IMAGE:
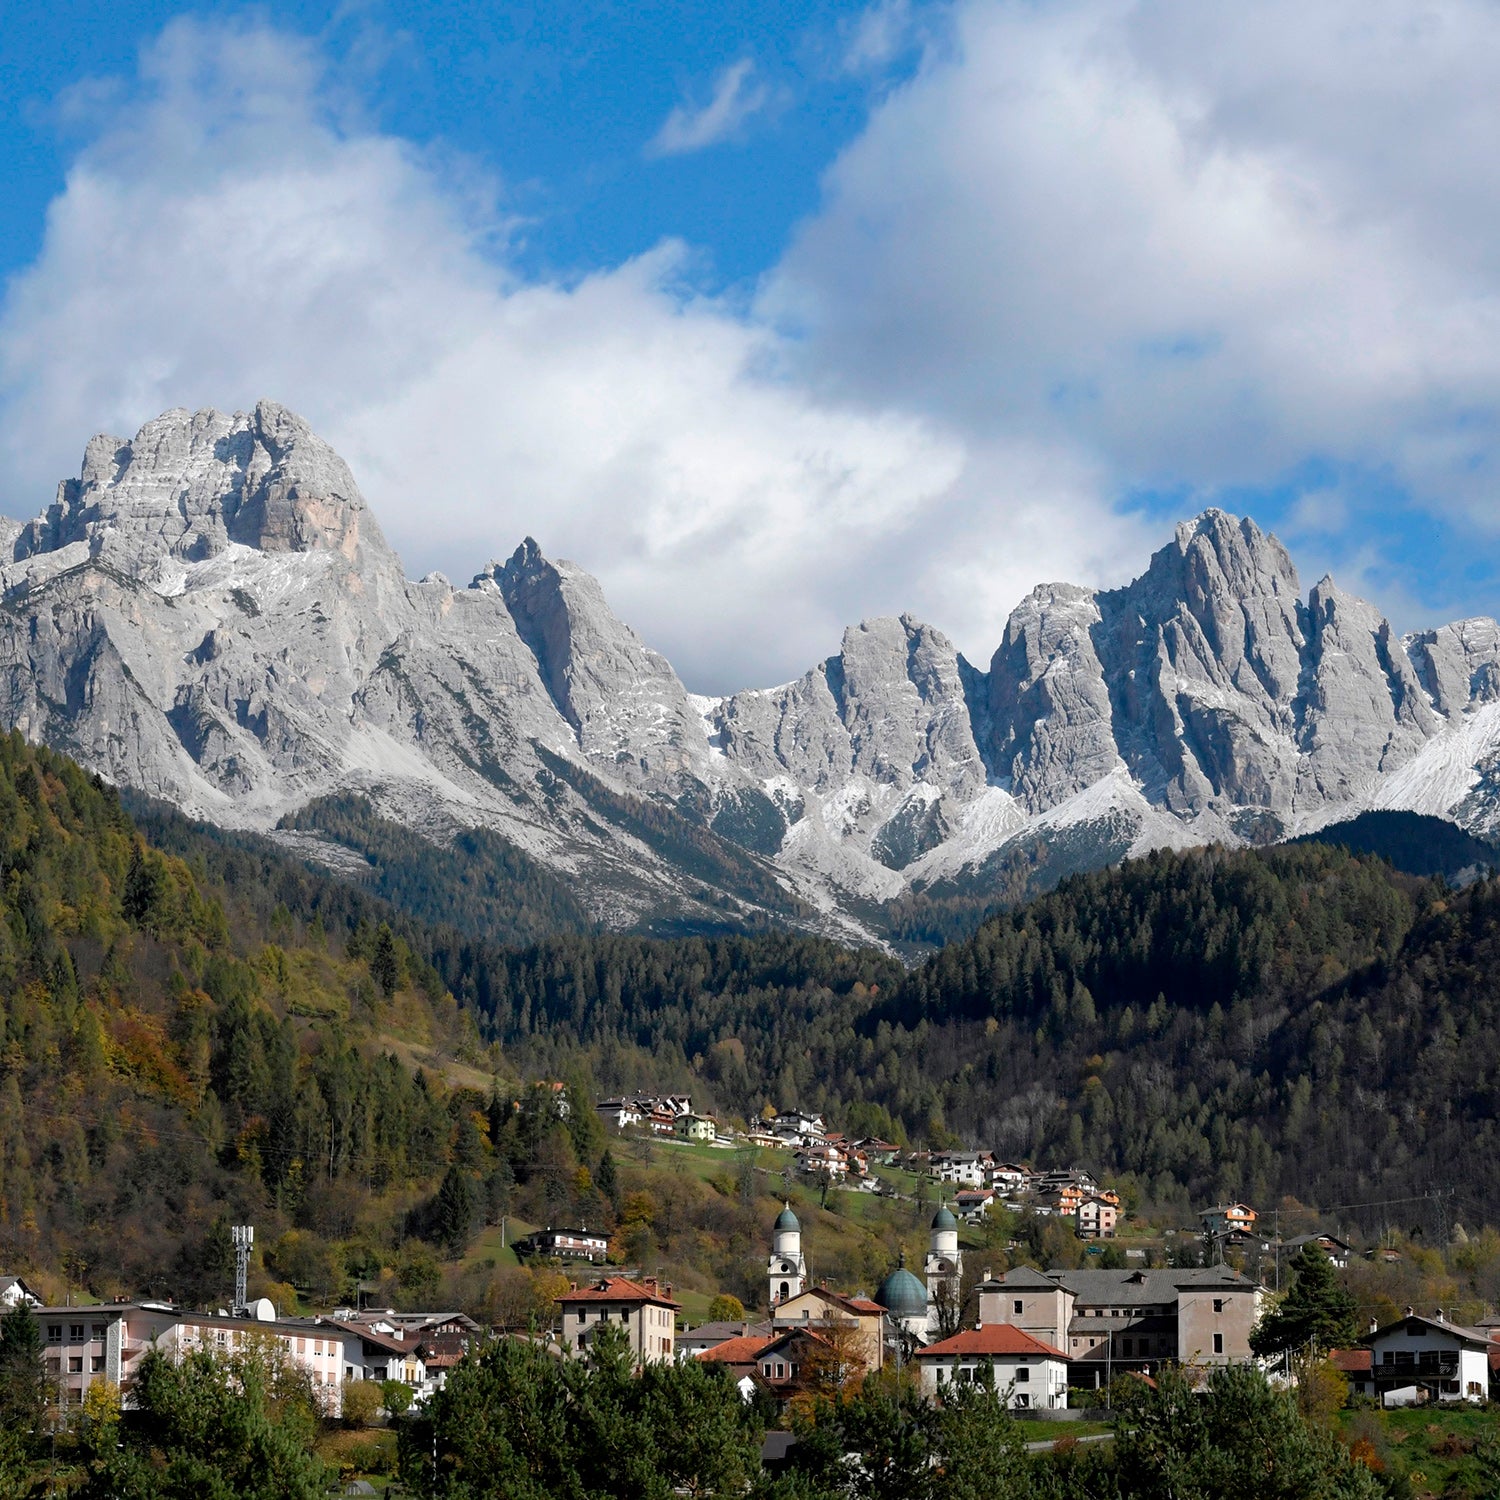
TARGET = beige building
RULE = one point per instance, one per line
(648, 1316)
(1107, 1322)
(858, 1319)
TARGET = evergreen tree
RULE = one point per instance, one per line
(607, 1180)
(385, 962)
(210, 1426)
(455, 1211)
(23, 1378)
(1317, 1313)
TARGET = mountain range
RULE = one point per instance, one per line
(209, 614)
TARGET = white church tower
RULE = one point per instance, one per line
(786, 1270)
(944, 1266)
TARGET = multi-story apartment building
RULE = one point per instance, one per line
(646, 1313)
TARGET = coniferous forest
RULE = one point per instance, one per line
(198, 1027)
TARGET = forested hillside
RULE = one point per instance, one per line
(1252, 1023)
(195, 1028)
(172, 1054)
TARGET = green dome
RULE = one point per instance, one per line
(902, 1295)
(942, 1219)
(786, 1219)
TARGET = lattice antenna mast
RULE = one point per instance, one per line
(244, 1237)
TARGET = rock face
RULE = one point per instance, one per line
(210, 613)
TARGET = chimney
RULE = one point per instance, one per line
(1374, 1325)
(649, 1282)
(669, 1289)
(1409, 1312)
(1438, 1315)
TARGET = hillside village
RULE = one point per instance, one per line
(1053, 1340)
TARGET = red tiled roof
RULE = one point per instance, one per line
(618, 1289)
(992, 1338)
(1352, 1361)
(740, 1350)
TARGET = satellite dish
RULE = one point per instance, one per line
(263, 1310)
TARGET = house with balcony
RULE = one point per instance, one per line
(1096, 1217)
(1416, 1360)
(564, 1244)
(1228, 1218)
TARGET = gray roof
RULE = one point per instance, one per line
(1123, 1288)
(1028, 1276)
(722, 1331)
(1462, 1334)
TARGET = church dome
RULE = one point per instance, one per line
(787, 1220)
(942, 1219)
(902, 1295)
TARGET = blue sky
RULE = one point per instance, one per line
(778, 316)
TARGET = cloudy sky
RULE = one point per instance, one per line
(778, 315)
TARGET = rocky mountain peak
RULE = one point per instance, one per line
(190, 483)
(208, 612)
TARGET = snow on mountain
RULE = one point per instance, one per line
(210, 613)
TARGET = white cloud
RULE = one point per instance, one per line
(229, 236)
(737, 96)
(1087, 248)
(1202, 243)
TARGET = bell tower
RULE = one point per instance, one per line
(944, 1266)
(786, 1270)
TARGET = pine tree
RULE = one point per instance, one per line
(23, 1379)
(1317, 1314)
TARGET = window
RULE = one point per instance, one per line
(1023, 1375)
(1129, 1347)
(54, 1333)
(1016, 1307)
(580, 1341)
(97, 1363)
(75, 1330)
(1218, 1304)
(101, 1330)
(75, 1364)
(1218, 1343)
(1023, 1401)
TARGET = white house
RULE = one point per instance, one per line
(619, 1113)
(1008, 1179)
(967, 1168)
(796, 1122)
(1444, 1360)
(15, 1293)
(1035, 1374)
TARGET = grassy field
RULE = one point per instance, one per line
(1453, 1453)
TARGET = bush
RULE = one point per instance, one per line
(362, 1402)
